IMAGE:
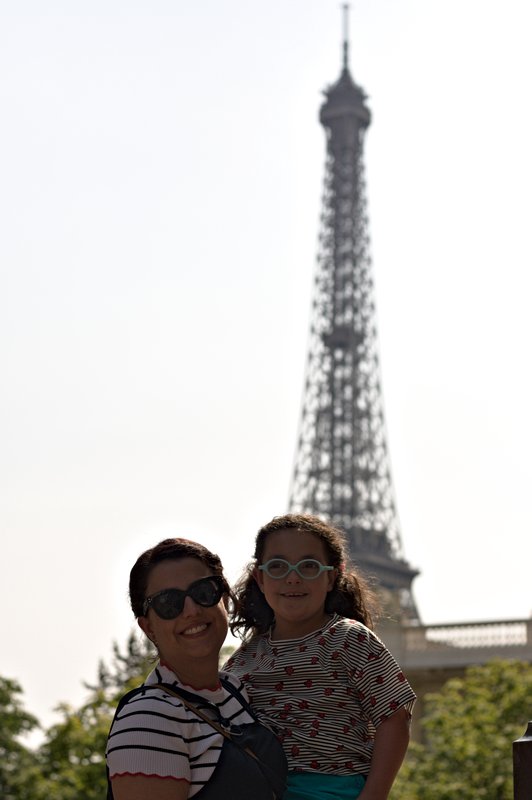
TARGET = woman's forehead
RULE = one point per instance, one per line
(176, 573)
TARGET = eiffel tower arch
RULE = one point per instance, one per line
(342, 470)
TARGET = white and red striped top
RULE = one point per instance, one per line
(155, 734)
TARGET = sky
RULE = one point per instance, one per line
(161, 168)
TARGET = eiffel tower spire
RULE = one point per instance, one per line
(345, 8)
(342, 470)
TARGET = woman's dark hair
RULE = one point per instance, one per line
(167, 549)
(350, 596)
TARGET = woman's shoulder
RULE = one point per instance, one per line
(160, 689)
(147, 699)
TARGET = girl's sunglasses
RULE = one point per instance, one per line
(169, 603)
(308, 568)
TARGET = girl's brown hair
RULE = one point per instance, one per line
(350, 596)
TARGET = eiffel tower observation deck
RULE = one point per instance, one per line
(342, 470)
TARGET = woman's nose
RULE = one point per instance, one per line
(190, 608)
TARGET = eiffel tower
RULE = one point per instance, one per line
(342, 470)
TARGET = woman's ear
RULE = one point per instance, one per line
(145, 627)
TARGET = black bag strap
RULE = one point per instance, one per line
(184, 697)
(276, 729)
(124, 700)
(231, 688)
(178, 692)
(121, 703)
(196, 699)
(189, 700)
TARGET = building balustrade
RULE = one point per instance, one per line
(504, 633)
(459, 644)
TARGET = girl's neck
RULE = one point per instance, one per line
(285, 629)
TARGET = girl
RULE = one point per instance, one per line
(314, 669)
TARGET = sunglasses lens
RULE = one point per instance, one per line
(206, 592)
(169, 604)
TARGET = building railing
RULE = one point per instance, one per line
(458, 645)
(503, 633)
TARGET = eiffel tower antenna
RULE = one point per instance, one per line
(345, 9)
(342, 471)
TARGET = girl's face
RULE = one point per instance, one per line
(298, 603)
(194, 638)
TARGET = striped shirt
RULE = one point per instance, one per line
(154, 734)
(327, 692)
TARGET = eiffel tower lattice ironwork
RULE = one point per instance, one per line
(342, 468)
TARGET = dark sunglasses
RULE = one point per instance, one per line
(169, 603)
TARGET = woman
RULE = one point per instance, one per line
(188, 730)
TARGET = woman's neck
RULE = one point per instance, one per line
(198, 675)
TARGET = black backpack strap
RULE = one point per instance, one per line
(124, 700)
(190, 699)
(202, 702)
(231, 688)
(186, 695)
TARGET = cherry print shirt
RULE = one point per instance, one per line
(326, 693)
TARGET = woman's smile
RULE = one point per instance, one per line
(194, 630)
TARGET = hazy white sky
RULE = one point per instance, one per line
(161, 167)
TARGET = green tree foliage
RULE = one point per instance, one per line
(127, 669)
(70, 762)
(225, 654)
(72, 757)
(468, 730)
(16, 761)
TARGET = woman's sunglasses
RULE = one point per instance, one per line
(169, 603)
(308, 568)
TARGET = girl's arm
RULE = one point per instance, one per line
(391, 741)
(140, 787)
